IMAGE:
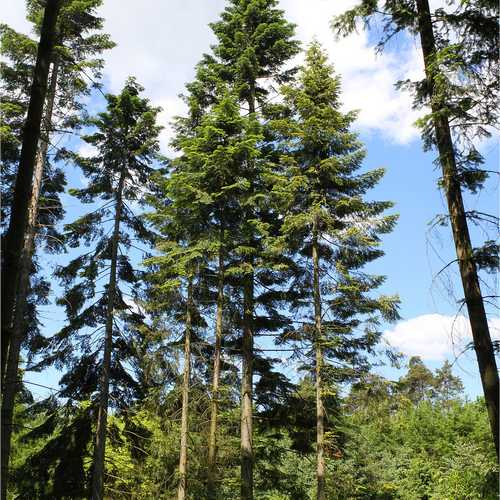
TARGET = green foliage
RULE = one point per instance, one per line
(255, 186)
(404, 449)
(465, 80)
(392, 448)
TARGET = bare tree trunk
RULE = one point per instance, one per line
(247, 457)
(16, 233)
(10, 383)
(183, 458)
(246, 393)
(468, 271)
(212, 441)
(98, 466)
(320, 410)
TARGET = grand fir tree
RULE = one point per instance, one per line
(254, 41)
(78, 42)
(101, 284)
(174, 279)
(210, 183)
(334, 232)
(14, 250)
(459, 48)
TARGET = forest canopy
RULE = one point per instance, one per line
(208, 314)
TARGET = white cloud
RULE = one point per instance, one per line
(160, 43)
(434, 337)
(87, 150)
(367, 78)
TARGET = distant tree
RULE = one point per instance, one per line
(447, 387)
(418, 384)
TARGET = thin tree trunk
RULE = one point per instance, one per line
(98, 466)
(247, 457)
(320, 410)
(212, 441)
(183, 456)
(246, 393)
(16, 233)
(468, 271)
(10, 383)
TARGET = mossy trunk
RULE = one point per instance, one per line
(12, 250)
(320, 410)
(212, 440)
(10, 383)
(183, 455)
(468, 271)
(247, 457)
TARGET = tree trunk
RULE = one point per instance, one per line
(10, 383)
(212, 441)
(320, 410)
(183, 458)
(468, 271)
(98, 466)
(247, 457)
(246, 393)
(16, 233)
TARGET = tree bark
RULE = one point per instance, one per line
(212, 441)
(98, 466)
(183, 458)
(10, 383)
(246, 394)
(247, 457)
(320, 410)
(16, 232)
(468, 271)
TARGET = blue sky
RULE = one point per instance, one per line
(153, 47)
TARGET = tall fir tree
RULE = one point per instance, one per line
(75, 49)
(333, 232)
(100, 341)
(203, 187)
(215, 186)
(254, 43)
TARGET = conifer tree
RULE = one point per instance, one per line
(418, 382)
(75, 47)
(204, 187)
(461, 89)
(254, 42)
(176, 274)
(447, 387)
(333, 232)
(172, 279)
(13, 247)
(126, 144)
(214, 156)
